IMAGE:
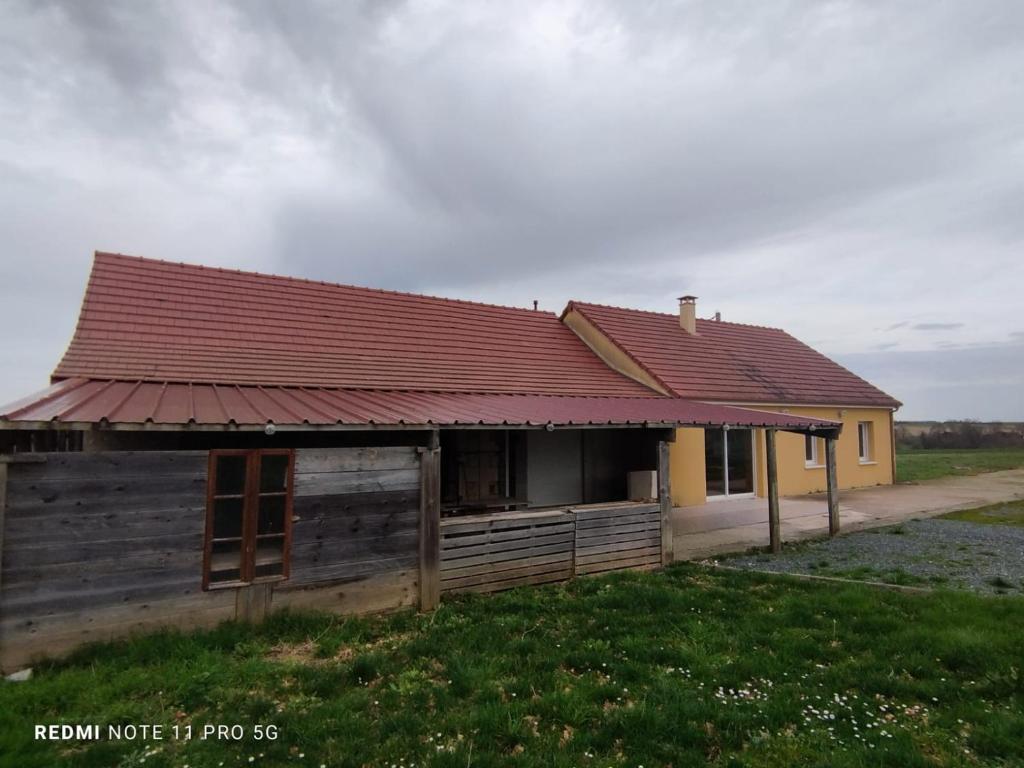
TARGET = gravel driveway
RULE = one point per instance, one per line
(948, 553)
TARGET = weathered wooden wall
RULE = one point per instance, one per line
(493, 552)
(355, 527)
(99, 545)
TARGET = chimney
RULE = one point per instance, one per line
(688, 314)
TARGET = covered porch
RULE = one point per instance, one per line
(734, 525)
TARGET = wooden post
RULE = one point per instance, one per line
(665, 499)
(252, 602)
(774, 531)
(833, 486)
(430, 524)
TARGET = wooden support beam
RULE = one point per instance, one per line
(430, 524)
(833, 486)
(774, 530)
(252, 602)
(665, 500)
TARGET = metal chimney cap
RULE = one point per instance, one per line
(687, 299)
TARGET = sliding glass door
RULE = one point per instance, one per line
(729, 462)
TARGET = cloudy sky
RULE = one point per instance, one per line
(852, 172)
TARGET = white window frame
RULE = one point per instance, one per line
(815, 461)
(864, 447)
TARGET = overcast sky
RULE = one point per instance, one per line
(852, 172)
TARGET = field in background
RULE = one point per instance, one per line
(690, 666)
(959, 435)
(915, 465)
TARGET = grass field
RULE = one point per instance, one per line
(688, 667)
(917, 465)
(1005, 513)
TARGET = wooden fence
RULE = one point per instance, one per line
(492, 552)
(618, 536)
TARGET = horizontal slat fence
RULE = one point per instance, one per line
(495, 552)
(618, 536)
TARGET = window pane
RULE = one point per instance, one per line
(269, 551)
(809, 449)
(714, 461)
(741, 461)
(270, 569)
(230, 475)
(227, 518)
(272, 511)
(226, 561)
(273, 472)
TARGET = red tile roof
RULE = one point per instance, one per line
(162, 321)
(731, 362)
(84, 401)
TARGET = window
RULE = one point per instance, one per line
(248, 517)
(811, 454)
(864, 430)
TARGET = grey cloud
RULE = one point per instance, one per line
(983, 382)
(823, 167)
(936, 326)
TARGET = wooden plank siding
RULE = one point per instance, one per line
(98, 545)
(495, 552)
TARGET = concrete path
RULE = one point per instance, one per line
(719, 527)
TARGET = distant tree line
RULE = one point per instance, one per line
(960, 435)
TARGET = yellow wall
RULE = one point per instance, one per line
(610, 352)
(686, 468)
(795, 478)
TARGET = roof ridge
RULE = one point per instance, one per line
(671, 314)
(312, 281)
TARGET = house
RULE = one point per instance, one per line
(218, 444)
(751, 367)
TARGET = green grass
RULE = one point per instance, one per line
(916, 465)
(1004, 513)
(897, 576)
(688, 667)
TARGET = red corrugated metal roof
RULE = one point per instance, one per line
(731, 362)
(156, 320)
(83, 401)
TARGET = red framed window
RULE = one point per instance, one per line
(248, 517)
